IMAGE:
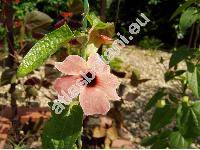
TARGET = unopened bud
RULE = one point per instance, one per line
(185, 99)
(160, 104)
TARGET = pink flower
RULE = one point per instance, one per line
(91, 79)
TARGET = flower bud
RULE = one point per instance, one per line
(185, 99)
(160, 104)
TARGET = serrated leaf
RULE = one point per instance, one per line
(62, 131)
(162, 117)
(181, 8)
(176, 140)
(193, 78)
(43, 49)
(157, 96)
(190, 16)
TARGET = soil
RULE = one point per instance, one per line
(124, 126)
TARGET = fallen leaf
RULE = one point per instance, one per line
(112, 133)
(99, 132)
(121, 143)
(107, 143)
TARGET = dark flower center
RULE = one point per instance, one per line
(91, 79)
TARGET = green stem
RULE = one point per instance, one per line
(86, 11)
(83, 50)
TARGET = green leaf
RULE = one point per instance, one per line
(160, 144)
(179, 55)
(86, 11)
(181, 8)
(169, 75)
(43, 49)
(62, 131)
(193, 78)
(157, 141)
(164, 134)
(190, 66)
(157, 96)
(97, 23)
(149, 140)
(176, 140)
(188, 120)
(190, 16)
(162, 117)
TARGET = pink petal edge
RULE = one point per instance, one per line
(72, 65)
(97, 64)
(63, 84)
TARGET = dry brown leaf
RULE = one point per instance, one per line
(112, 133)
(99, 132)
(107, 143)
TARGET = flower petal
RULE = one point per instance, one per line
(108, 83)
(72, 65)
(109, 80)
(97, 64)
(94, 101)
(66, 86)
